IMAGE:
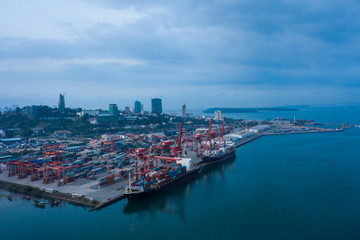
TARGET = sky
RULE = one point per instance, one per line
(205, 53)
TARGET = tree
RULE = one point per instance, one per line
(26, 133)
(9, 133)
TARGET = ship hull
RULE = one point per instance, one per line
(181, 179)
(207, 159)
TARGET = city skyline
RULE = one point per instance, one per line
(209, 53)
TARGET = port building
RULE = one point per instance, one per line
(259, 128)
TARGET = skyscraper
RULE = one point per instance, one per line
(62, 103)
(137, 106)
(156, 105)
(113, 109)
(184, 111)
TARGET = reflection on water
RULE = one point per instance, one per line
(172, 202)
(219, 168)
(14, 198)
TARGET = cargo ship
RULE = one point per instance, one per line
(218, 154)
(162, 179)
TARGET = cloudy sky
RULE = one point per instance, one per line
(205, 53)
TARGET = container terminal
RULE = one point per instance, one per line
(101, 172)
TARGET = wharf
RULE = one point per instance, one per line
(79, 192)
(247, 140)
(38, 193)
(322, 130)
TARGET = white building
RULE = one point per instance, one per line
(2, 133)
(217, 115)
(92, 113)
(259, 128)
(237, 136)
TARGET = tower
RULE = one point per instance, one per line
(156, 105)
(62, 103)
(137, 106)
(183, 111)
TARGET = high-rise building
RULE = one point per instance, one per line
(127, 110)
(183, 111)
(218, 115)
(114, 110)
(31, 110)
(156, 105)
(62, 103)
(137, 106)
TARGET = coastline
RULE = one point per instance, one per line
(36, 192)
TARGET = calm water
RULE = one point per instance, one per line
(278, 187)
(318, 114)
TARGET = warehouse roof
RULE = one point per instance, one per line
(10, 139)
(260, 127)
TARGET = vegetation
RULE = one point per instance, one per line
(23, 123)
(50, 119)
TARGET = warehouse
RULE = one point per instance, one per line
(259, 128)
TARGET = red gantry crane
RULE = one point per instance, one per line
(53, 151)
(144, 157)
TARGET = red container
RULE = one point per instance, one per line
(111, 181)
(110, 176)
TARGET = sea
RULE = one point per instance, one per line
(304, 186)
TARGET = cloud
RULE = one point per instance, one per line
(195, 49)
(49, 64)
(65, 20)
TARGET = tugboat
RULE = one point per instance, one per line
(39, 204)
(26, 197)
(56, 203)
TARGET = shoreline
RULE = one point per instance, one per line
(303, 132)
(36, 192)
